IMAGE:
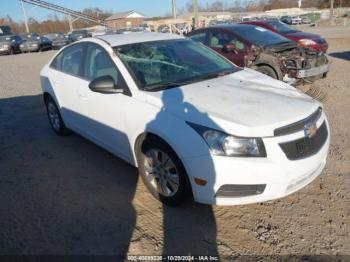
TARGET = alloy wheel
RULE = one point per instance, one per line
(161, 172)
(54, 116)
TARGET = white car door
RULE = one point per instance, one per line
(104, 114)
(65, 78)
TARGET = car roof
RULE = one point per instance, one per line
(138, 37)
(232, 26)
(258, 22)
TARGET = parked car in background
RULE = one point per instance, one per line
(309, 40)
(58, 40)
(305, 20)
(181, 28)
(35, 43)
(147, 28)
(10, 44)
(296, 20)
(163, 29)
(191, 121)
(78, 35)
(286, 19)
(5, 30)
(265, 51)
(123, 31)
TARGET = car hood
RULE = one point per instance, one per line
(245, 103)
(303, 35)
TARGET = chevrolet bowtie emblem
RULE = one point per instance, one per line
(310, 129)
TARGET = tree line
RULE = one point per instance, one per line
(259, 5)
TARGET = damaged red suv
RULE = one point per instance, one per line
(265, 51)
(309, 40)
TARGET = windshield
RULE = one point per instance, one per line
(165, 64)
(260, 36)
(5, 30)
(80, 32)
(282, 28)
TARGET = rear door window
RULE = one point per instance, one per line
(57, 62)
(218, 39)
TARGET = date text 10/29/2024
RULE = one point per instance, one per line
(173, 258)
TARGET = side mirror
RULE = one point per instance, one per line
(230, 48)
(105, 85)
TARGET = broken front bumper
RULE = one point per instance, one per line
(316, 71)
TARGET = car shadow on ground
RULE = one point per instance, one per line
(341, 55)
(67, 196)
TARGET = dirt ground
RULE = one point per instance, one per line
(68, 196)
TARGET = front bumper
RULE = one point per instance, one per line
(276, 174)
(59, 45)
(316, 71)
(29, 48)
(4, 50)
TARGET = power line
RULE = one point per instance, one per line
(69, 12)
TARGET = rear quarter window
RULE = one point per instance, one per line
(57, 62)
(70, 60)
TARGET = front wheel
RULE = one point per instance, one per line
(162, 172)
(266, 70)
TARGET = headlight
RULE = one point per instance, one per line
(5, 46)
(21, 46)
(290, 64)
(307, 42)
(34, 44)
(228, 145)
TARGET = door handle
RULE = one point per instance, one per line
(81, 94)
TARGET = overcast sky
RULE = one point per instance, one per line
(148, 7)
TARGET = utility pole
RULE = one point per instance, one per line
(70, 23)
(331, 12)
(195, 11)
(174, 9)
(24, 16)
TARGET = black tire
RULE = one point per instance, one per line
(183, 191)
(56, 121)
(266, 70)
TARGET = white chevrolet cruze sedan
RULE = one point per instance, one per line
(190, 120)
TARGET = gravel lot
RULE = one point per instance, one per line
(68, 196)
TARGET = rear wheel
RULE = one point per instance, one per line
(55, 118)
(162, 172)
(266, 70)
